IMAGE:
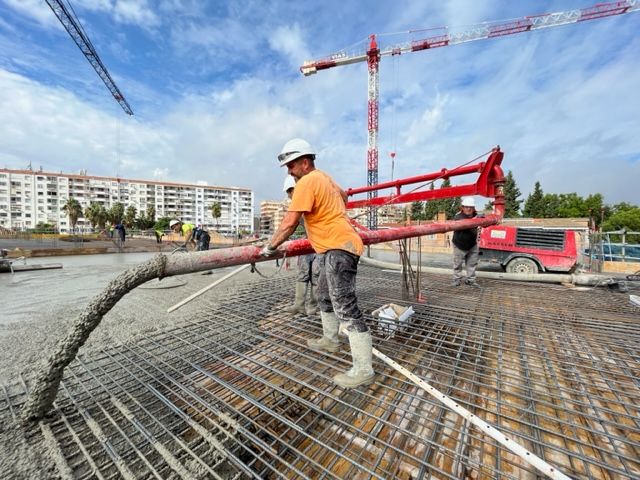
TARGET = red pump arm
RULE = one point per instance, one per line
(490, 179)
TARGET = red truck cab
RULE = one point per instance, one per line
(528, 250)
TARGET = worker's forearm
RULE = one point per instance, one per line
(284, 232)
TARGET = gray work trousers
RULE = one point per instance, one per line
(337, 288)
(307, 270)
(470, 258)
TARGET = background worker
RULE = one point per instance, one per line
(122, 232)
(202, 238)
(338, 248)
(159, 234)
(307, 277)
(465, 246)
(184, 229)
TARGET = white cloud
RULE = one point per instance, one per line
(135, 12)
(36, 10)
(96, 5)
(161, 173)
(288, 41)
(431, 123)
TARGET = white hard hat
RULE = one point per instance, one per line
(289, 182)
(294, 149)
(468, 202)
(173, 222)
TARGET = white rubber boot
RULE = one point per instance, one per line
(362, 371)
(312, 305)
(298, 303)
(329, 340)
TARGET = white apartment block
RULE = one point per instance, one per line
(387, 214)
(28, 198)
(271, 215)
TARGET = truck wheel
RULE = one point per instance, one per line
(522, 265)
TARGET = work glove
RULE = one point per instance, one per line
(268, 251)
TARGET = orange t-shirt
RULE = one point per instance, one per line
(328, 228)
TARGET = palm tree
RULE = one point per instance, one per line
(74, 211)
(216, 212)
(115, 213)
(130, 215)
(96, 214)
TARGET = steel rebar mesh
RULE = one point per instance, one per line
(236, 393)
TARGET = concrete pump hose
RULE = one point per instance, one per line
(576, 279)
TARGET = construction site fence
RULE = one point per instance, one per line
(615, 246)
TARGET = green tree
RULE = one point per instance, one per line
(96, 214)
(146, 219)
(571, 205)
(594, 203)
(629, 219)
(116, 213)
(431, 207)
(43, 227)
(417, 211)
(621, 207)
(130, 215)
(511, 196)
(533, 206)
(216, 211)
(74, 211)
(450, 206)
(162, 224)
(549, 206)
(151, 215)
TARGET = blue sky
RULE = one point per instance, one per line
(216, 92)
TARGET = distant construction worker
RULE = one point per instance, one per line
(338, 248)
(159, 234)
(465, 246)
(202, 238)
(122, 232)
(184, 229)
(307, 278)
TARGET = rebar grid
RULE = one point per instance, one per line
(237, 393)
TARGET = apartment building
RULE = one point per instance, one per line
(272, 212)
(271, 215)
(387, 214)
(28, 198)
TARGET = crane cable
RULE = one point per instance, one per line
(394, 116)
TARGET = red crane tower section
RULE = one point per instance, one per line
(480, 32)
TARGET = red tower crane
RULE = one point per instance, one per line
(71, 24)
(480, 32)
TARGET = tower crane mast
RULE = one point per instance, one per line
(479, 32)
(73, 27)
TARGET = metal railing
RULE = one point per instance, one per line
(614, 246)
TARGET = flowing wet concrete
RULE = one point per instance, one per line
(38, 308)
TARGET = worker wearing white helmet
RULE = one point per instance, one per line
(307, 276)
(338, 247)
(184, 229)
(465, 246)
(289, 185)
